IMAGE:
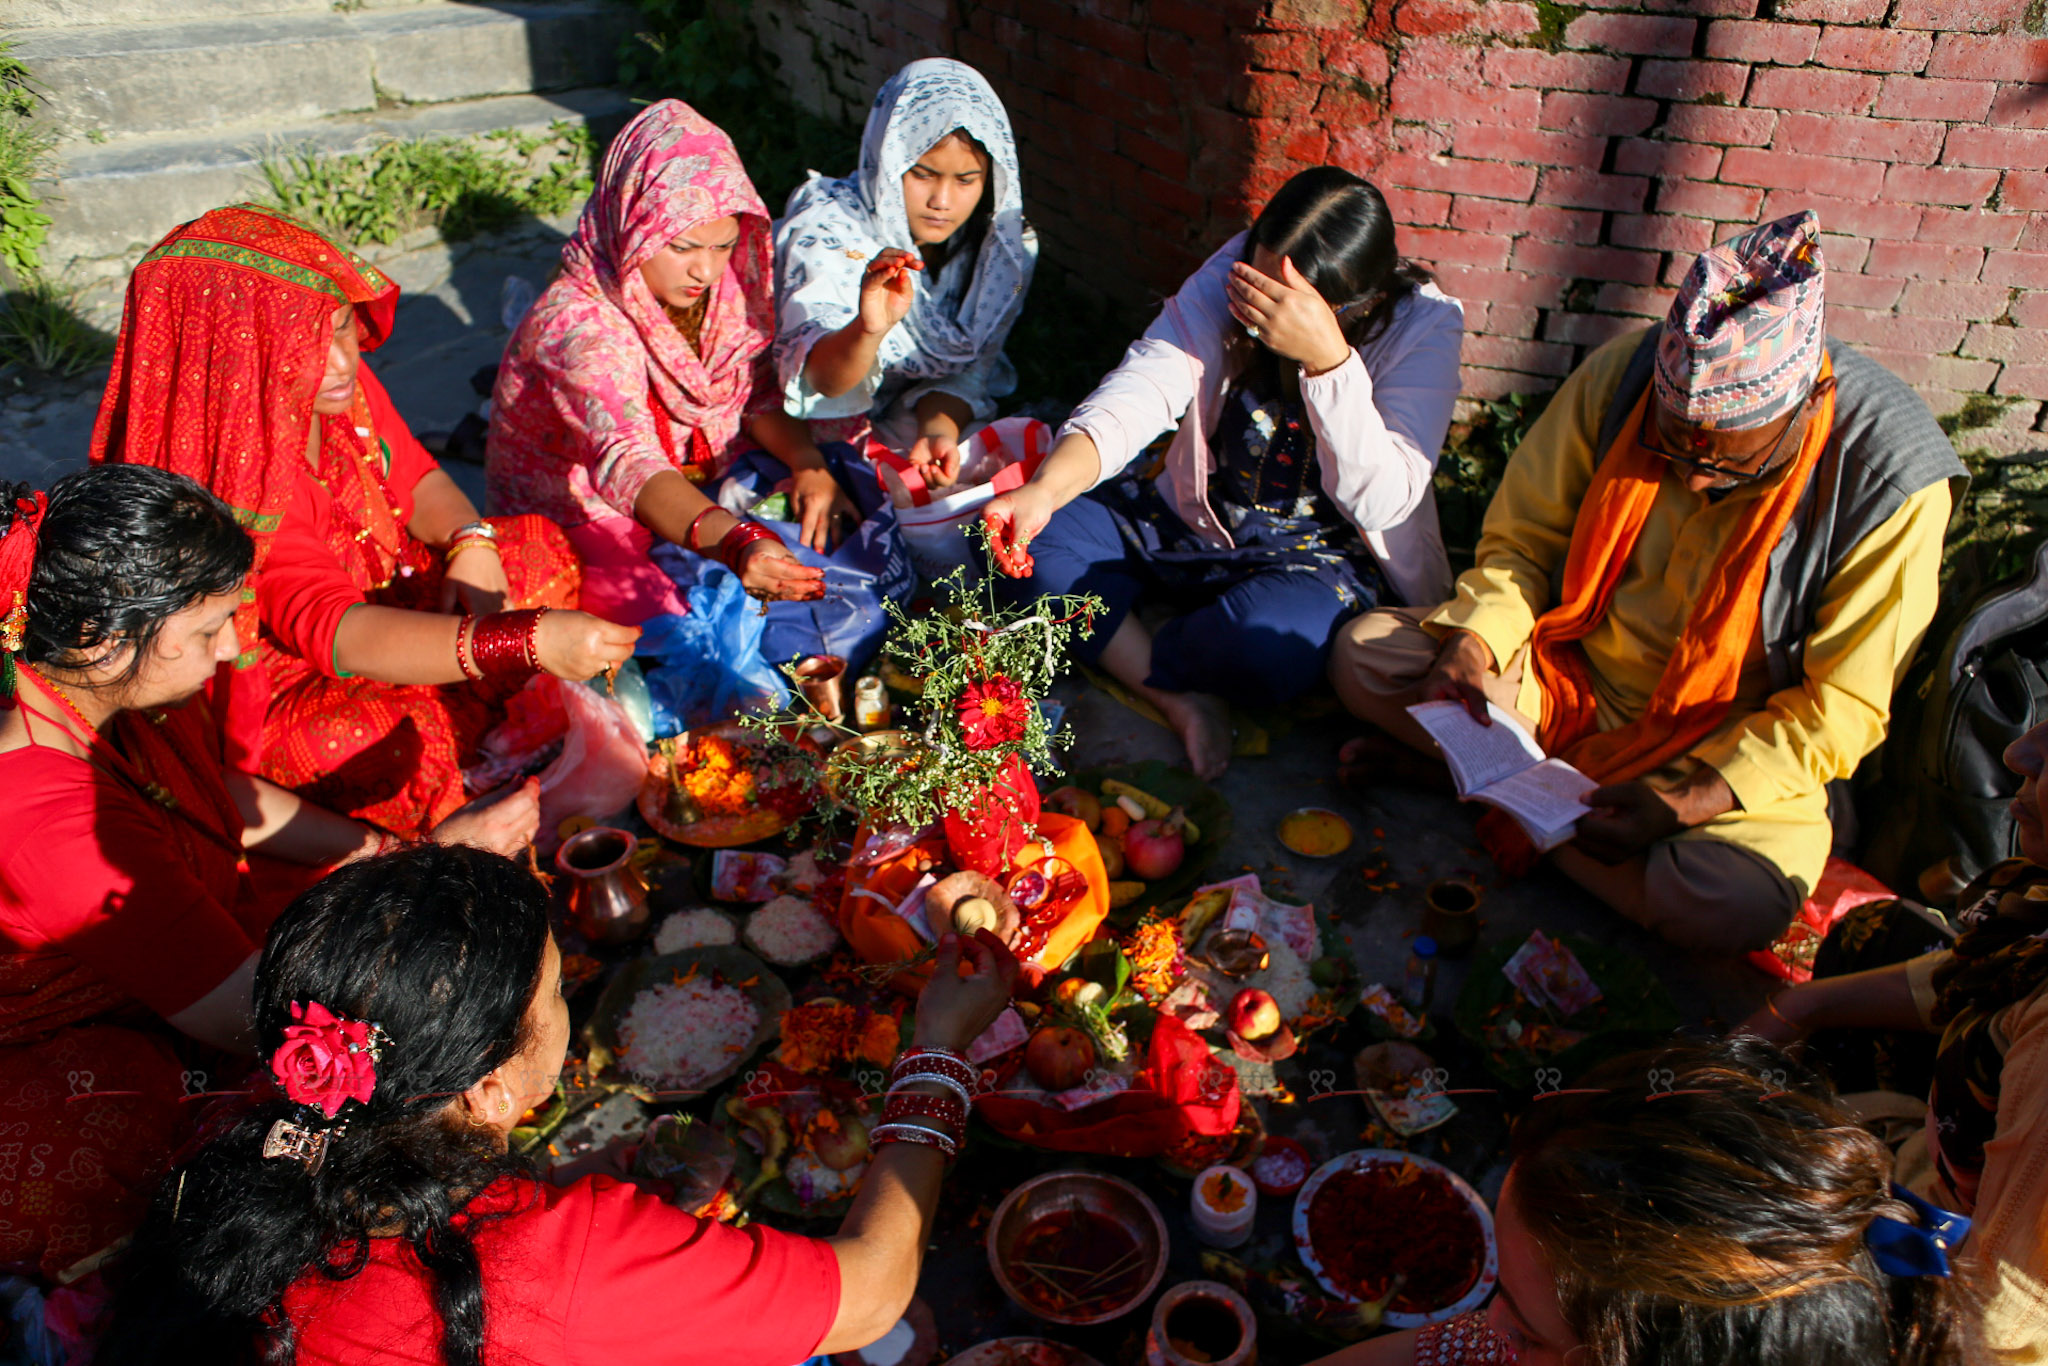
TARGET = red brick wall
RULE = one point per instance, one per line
(1559, 167)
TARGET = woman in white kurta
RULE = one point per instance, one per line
(1310, 373)
(896, 286)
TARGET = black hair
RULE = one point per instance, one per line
(442, 947)
(1706, 1204)
(123, 548)
(1336, 228)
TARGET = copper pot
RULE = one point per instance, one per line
(607, 895)
(1207, 1317)
(1450, 915)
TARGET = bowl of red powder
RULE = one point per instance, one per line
(1373, 1215)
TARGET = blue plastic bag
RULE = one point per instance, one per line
(706, 665)
(861, 572)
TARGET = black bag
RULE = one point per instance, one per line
(1941, 789)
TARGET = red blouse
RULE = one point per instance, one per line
(104, 899)
(304, 591)
(593, 1274)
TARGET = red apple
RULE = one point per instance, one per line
(1254, 1015)
(1059, 1058)
(1153, 849)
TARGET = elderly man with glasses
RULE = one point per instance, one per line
(1705, 571)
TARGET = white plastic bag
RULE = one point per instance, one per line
(996, 459)
(600, 769)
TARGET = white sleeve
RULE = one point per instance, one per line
(1378, 435)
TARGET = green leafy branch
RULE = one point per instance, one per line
(930, 770)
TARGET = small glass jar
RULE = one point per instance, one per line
(870, 704)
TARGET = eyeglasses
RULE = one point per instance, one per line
(1740, 474)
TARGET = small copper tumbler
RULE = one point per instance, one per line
(607, 896)
(822, 679)
(1450, 915)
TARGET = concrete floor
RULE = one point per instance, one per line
(1424, 837)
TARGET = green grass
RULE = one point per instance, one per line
(24, 155)
(461, 186)
(1551, 22)
(1473, 459)
(41, 330)
(1978, 410)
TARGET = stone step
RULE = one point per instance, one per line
(122, 80)
(19, 14)
(111, 203)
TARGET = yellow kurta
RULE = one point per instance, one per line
(1777, 751)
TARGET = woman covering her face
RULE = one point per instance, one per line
(1308, 374)
(899, 284)
(375, 583)
(643, 370)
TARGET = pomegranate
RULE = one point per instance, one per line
(1059, 1058)
(1081, 804)
(1254, 1015)
(1153, 849)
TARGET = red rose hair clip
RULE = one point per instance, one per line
(323, 1063)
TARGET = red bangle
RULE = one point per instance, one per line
(690, 536)
(731, 545)
(503, 644)
(465, 637)
(948, 1110)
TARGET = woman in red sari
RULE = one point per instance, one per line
(129, 920)
(239, 365)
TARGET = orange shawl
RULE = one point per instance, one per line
(1699, 682)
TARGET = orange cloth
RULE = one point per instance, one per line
(1701, 679)
(868, 919)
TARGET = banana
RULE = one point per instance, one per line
(1152, 807)
(1124, 893)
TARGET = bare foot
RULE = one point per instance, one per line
(1202, 720)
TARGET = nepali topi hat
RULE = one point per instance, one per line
(1742, 344)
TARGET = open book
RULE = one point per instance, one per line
(1501, 765)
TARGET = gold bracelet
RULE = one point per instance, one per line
(467, 543)
(1771, 1004)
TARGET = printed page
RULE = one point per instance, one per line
(1547, 798)
(1479, 756)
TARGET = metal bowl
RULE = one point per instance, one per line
(1061, 1192)
(860, 749)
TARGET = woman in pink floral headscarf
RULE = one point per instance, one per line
(644, 368)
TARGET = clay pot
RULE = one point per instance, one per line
(1450, 915)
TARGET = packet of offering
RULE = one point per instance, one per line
(1410, 1115)
(1105, 1085)
(1395, 1016)
(1550, 974)
(739, 876)
(1006, 1033)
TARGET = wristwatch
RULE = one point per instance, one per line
(476, 528)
